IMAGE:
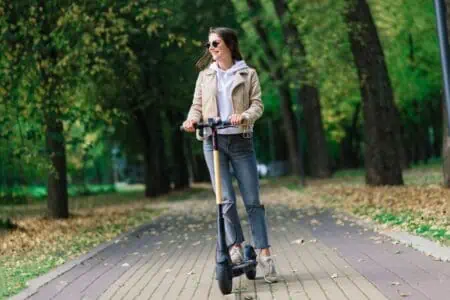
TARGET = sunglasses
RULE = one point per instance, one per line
(214, 44)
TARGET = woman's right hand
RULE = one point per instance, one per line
(188, 125)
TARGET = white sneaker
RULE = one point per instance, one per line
(268, 266)
(237, 255)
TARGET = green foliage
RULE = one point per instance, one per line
(29, 194)
(94, 64)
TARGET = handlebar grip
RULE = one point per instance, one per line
(196, 125)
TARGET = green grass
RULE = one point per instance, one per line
(413, 222)
(349, 173)
(417, 174)
(13, 278)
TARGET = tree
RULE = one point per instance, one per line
(381, 152)
(308, 95)
(54, 44)
(272, 64)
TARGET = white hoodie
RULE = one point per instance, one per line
(225, 81)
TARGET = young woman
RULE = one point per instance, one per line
(227, 88)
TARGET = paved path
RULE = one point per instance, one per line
(319, 256)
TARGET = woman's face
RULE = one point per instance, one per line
(218, 48)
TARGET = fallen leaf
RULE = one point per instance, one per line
(299, 241)
(339, 222)
(403, 294)
(314, 222)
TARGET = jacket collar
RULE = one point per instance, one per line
(238, 80)
(210, 71)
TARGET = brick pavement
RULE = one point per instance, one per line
(318, 257)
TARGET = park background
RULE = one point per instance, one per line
(92, 94)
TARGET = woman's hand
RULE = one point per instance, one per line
(188, 125)
(236, 119)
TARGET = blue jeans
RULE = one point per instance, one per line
(238, 152)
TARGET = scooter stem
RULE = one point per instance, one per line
(217, 181)
(222, 255)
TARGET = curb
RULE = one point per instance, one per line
(35, 284)
(421, 244)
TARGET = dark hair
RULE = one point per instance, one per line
(229, 36)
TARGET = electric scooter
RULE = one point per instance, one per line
(225, 270)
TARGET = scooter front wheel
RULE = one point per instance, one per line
(250, 254)
(226, 286)
(224, 275)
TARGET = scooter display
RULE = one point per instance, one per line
(225, 270)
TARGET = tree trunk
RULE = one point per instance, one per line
(58, 202)
(180, 173)
(399, 139)
(436, 123)
(318, 160)
(276, 72)
(445, 148)
(381, 152)
(155, 172)
(290, 131)
(308, 96)
(350, 150)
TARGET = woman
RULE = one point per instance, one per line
(227, 88)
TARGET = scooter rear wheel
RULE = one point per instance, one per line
(250, 254)
(251, 274)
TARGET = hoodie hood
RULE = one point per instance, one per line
(238, 65)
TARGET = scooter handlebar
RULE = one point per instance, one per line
(218, 124)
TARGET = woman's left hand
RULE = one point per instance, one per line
(236, 119)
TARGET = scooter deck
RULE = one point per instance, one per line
(245, 266)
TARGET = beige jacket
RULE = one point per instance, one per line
(246, 96)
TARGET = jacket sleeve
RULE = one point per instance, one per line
(256, 107)
(195, 112)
